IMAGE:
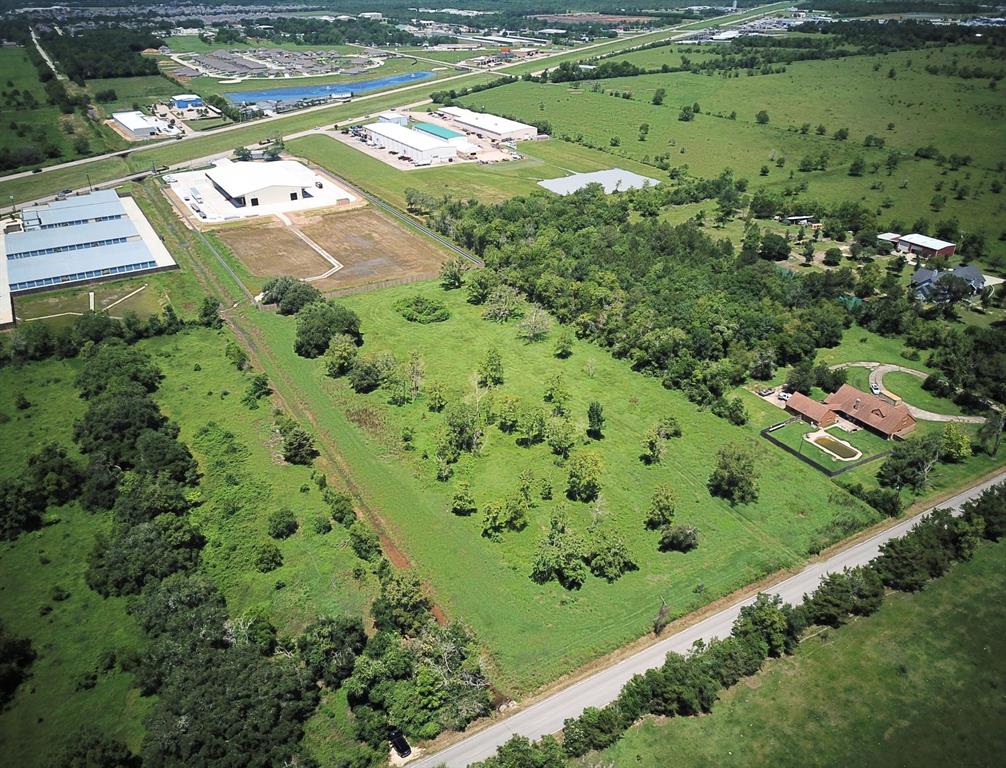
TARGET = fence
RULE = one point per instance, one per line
(376, 286)
(767, 434)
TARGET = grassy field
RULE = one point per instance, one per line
(537, 632)
(918, 683)
(244, 480)
(544, 160)
(194, 44)
(910, 388)
(133, 92)
(957, 116)
(43, 123)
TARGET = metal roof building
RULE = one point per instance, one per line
(87, 238)
(423, 148)
(491, 126)
(613, 180)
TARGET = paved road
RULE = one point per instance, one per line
(547, 715)
(879, 370)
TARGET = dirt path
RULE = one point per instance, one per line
(879, 370)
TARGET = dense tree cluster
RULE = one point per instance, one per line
(669, 299)
(16, 657)
(102, 53)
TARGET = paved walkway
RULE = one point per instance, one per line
(879, 370)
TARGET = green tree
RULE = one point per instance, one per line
(209, 313)
(298, 446)
(452, 273)
(658, 97)
(364, 541)
(956, 446)
(734, 478)
(319, 322)
(462, 502)
(595, 420)
(663, 504)
(679, 538)
(584, 476)
(564, 344)
(491, 368)
(401, 605)
(328, 646)
(282, 523)
(762, 117)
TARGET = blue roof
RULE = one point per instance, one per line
(35, 239)
(59, 264)
(101, 203)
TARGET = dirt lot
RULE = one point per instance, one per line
(371, 246)
(268, 249)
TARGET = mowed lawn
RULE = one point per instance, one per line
(535, 633)
(918, 683)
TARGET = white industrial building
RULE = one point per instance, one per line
(489, 126)
(140, 126)
(611, 180)
(255, 184)
(422, 148)
(397, 118)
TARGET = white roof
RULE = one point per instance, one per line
(188, 96)
(890, 237)
(136, 121)
(613, 180)
(417, 140)
(486, 122)
(240, 179)
(392, 116)
(925, 242)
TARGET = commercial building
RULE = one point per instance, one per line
(255, 184)
(421, 147)
(137, 125)
(612, 180)
(874, 413)
(393, 117)
(186, 101)
(489, 126)
(98, 236)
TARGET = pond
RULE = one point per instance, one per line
(839, 448)
(301, 92)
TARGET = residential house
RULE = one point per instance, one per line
(871, 412)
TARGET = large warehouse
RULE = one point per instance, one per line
(98, 236)
(137, 125)
(255, 184)
(489, 126)
(423, 148)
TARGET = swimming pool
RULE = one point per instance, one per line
(296, 93)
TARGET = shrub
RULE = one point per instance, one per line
(679, 538)
(422, 309)
(282, 524)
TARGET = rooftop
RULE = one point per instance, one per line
(416, 139)
(438, 130)
(73, 262)
(871, 410)
(613, 180)
(66, 237)
(136, 121)
(804, 405)
(80, 208)
(243, 178)
(484, 121)
(924, 241)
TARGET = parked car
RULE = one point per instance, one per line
(874, 388)
(784, 396)
(765, 391)
(398, 742)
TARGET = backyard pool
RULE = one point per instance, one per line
(838, 448)
(301, 92)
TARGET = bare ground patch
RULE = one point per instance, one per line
(371, 246)
(269, 249)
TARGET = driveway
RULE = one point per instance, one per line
(879, 370)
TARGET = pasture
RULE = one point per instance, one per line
(915, 684)
(533, 632)
(133, 92)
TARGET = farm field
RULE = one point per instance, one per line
(558, 630)
(915, 684)
(233, 445)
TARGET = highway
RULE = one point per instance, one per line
(547, 715)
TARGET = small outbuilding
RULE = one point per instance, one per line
(811, 411)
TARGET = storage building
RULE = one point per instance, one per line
(925, 246)
(393, 117)
(423, 148)
(255, 184)
(489, 126)
(186, 101)
(84, 239)
(611, 180)
(138, 125)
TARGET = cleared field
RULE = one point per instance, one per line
(133, 92)
(371, 247)
(267, 249)
(535, 633)
(917, 683)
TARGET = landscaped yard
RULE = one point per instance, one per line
(864, 441)
(918, 683)
(910, 388)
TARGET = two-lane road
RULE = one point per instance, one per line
(547, 715)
